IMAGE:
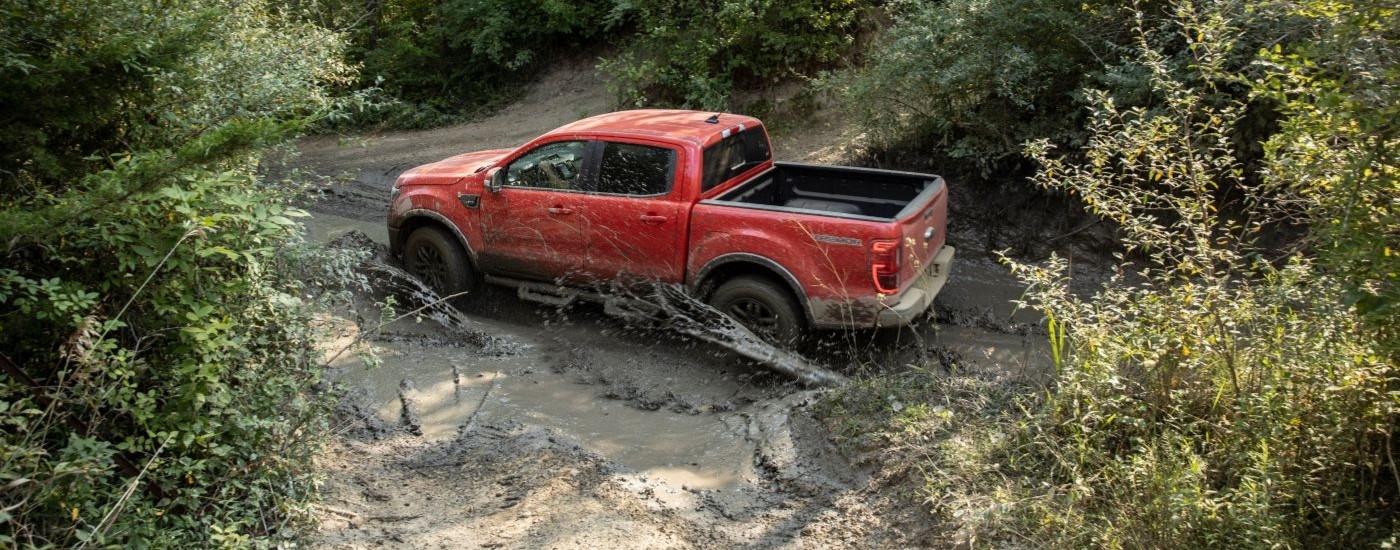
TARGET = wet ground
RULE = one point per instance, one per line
(567, 428)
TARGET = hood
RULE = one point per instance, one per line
(452, 169)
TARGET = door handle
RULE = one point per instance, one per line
(653, 219)
(560, 211)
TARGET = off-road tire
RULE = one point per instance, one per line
(434, 257)
(763, 306)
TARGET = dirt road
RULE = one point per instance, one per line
(568, 429)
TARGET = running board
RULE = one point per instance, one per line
(544, 293)
(556, 295)
(547, 294)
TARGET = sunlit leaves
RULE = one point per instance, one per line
(1219, 393)
(1337, 157)
(973, 79)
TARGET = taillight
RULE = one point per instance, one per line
(884, 266)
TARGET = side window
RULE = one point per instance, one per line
(551, 166)
(628, 169)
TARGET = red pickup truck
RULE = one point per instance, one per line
(685, 198)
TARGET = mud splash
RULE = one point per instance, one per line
(673, 309)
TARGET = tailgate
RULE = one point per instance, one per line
(923, 225)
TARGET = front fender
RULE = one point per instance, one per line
(415, 218)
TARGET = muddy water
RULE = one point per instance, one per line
(325, 227)
(1007, 353)
(451, 390)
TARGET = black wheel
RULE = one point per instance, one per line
(763, 306)
(434, 257)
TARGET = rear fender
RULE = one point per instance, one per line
(747, 263)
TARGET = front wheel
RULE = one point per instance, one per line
(762, 306)
(434, 257)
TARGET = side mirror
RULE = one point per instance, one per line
(495, 180)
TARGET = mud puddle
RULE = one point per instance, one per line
(325, 227)
(1023, 355)
(448, 392)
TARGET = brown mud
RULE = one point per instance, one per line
(567, 428)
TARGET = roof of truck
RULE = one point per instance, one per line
(694, 126)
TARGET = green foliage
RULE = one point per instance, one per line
(696, 53)
(443, 58)
(1338, 153)
(955, 431)
(67, 84)
(158, 329)
(1217, 392)
(974, 79)
(259, 63)
(89, 78)
(965, 83)
(1231, 398)
(157, 356)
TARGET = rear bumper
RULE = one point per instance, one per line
(919, 296)
(887, 311)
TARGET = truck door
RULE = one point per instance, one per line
(531, 227)
(633, 216)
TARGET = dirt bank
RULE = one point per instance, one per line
(569, 429)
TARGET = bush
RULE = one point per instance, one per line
(967, 82)
(155, 382)
(1232, 397)
(972, 80)
(159, 394)
(1337, 155)
(1217, 392)
(442, 59)
(695, 54)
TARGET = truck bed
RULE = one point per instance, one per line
(831, 190)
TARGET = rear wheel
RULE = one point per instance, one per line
(761, 305)
(434, 257)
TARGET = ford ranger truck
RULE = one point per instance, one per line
(682, 198)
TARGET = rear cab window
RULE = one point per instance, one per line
(733, 154)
